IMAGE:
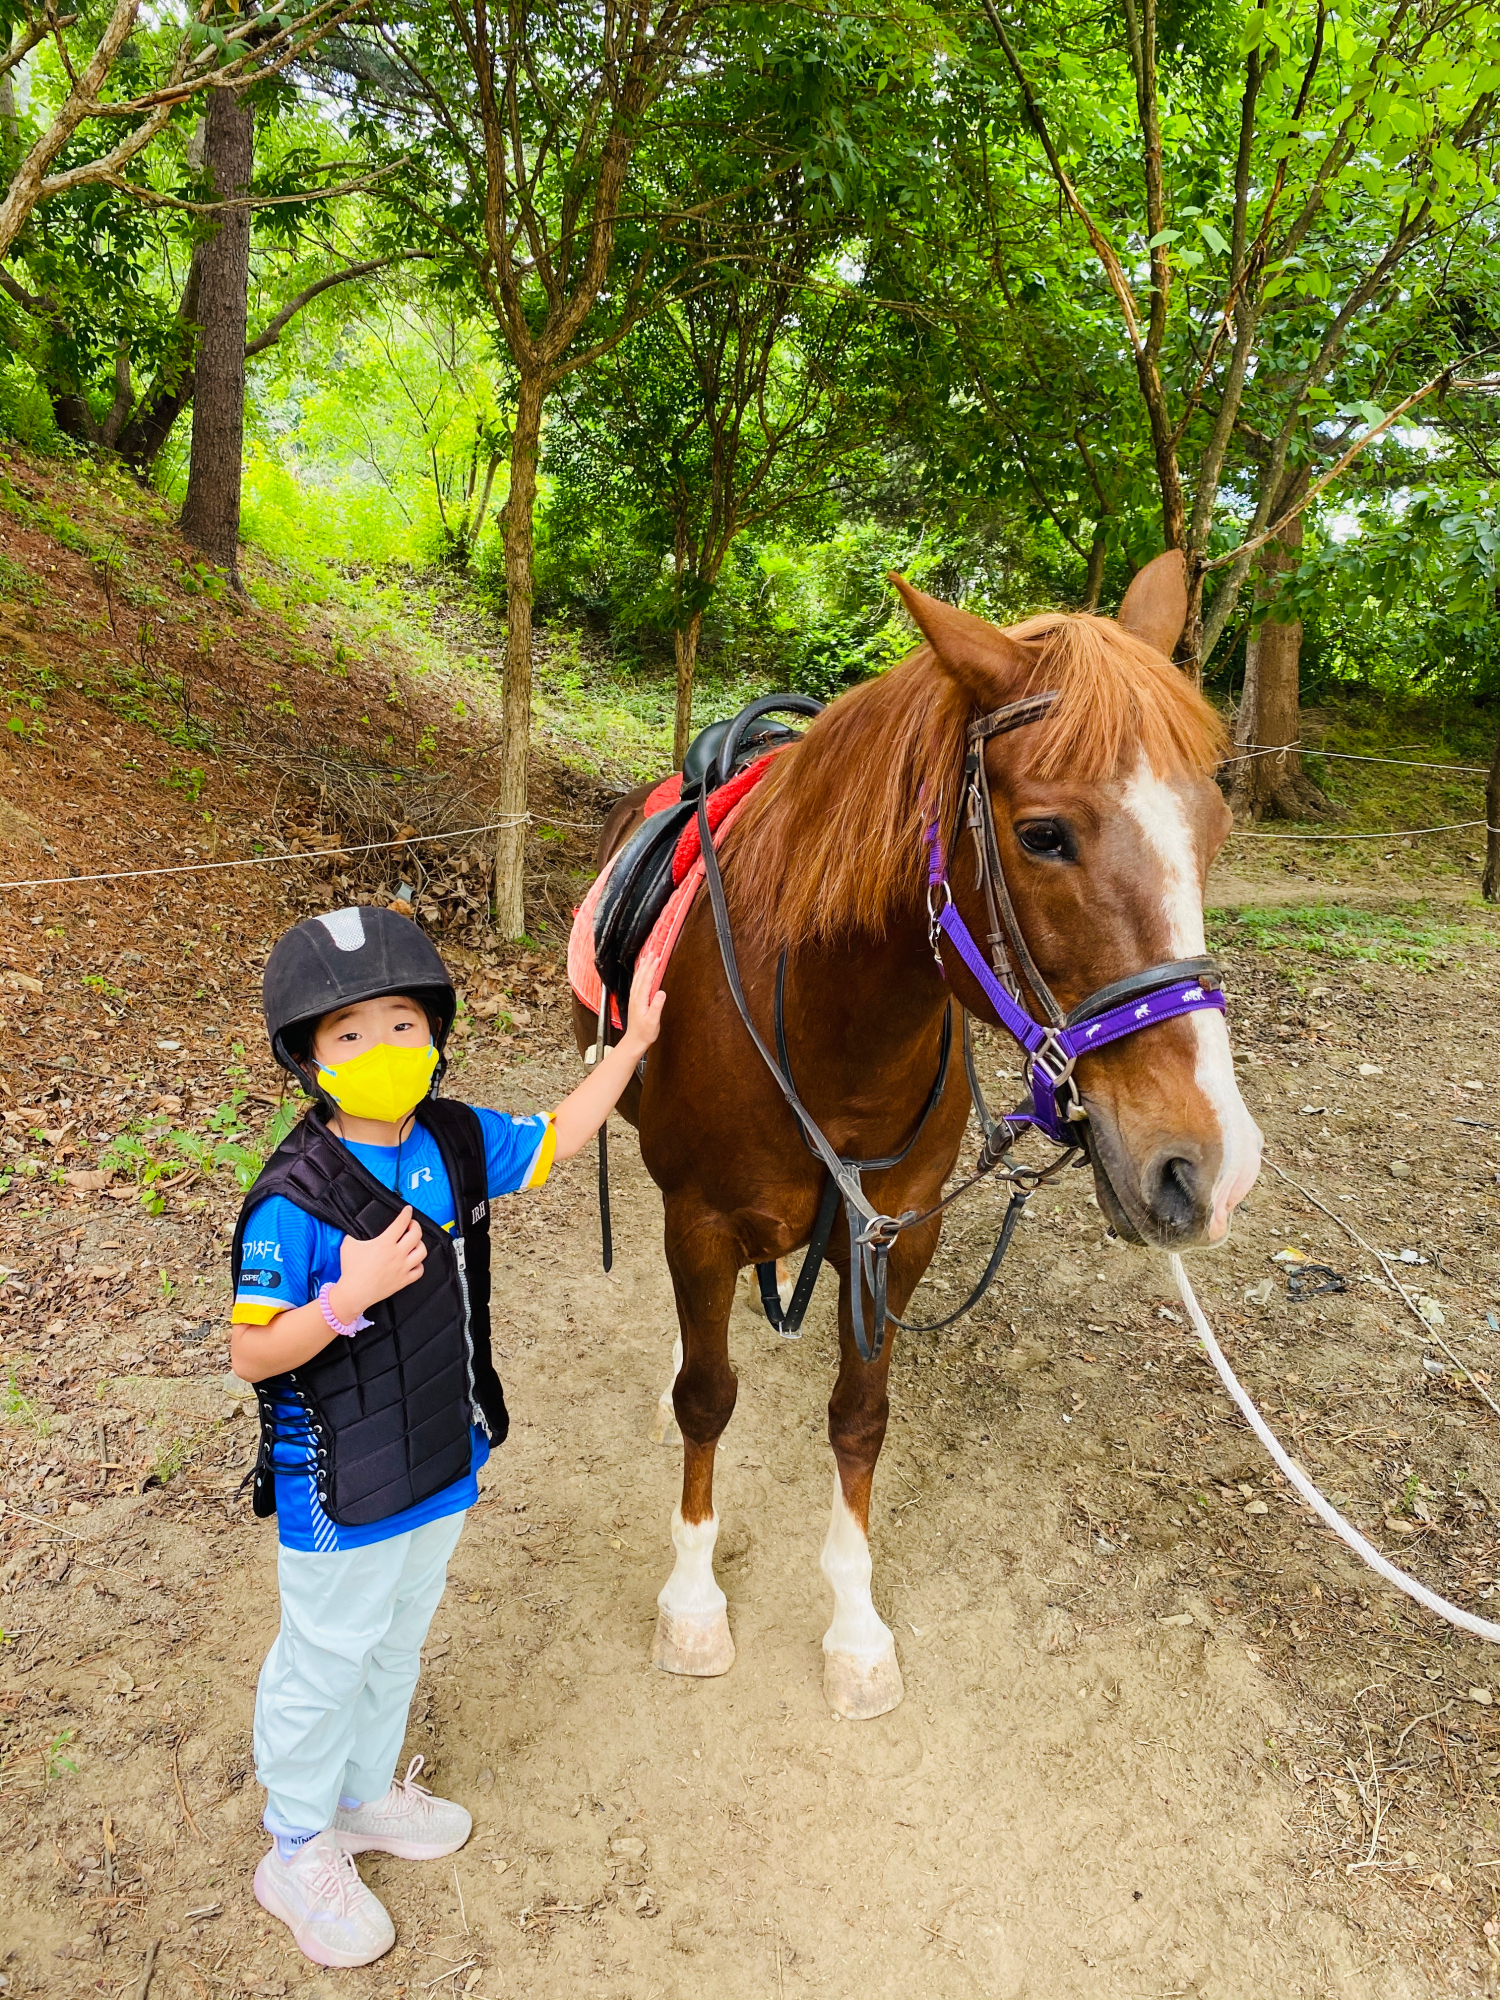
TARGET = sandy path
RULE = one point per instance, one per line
(1074, 1799)
(1054, 1810)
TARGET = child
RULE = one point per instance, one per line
(361, 1314)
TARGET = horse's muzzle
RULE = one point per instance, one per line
(1168, 1200)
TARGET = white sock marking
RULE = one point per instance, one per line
(857, 1627)
(690, 1591)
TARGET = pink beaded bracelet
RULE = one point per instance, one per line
(333, 1319)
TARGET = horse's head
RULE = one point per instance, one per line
(1106, 820)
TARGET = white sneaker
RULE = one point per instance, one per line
(408, 1821)
(318, 1895)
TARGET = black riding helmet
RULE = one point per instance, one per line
(356, 954)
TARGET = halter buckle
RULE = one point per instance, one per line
(935, 911)
(1056, 1064)
(1055, 1061)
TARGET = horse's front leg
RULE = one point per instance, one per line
(692, 1630)
(861, 1674)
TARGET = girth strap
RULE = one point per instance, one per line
(871, 1234)
(788, 1322)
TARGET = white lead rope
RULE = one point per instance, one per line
(1382, 1566)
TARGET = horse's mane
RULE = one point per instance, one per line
(831, 842)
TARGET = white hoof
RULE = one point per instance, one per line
(696, 1644)
(692, 1632)
(862, 1685)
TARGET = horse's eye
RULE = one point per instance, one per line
(1045, 836)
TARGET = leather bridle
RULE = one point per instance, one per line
(1052, 1046)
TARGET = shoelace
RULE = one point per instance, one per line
(334, 1879)
(407, 1796)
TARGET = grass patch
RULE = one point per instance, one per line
(20, 1409)
(619, 718)
(1416, 938)
(152, 1150)
(167, 1464)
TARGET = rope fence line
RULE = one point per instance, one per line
(270, 860)
(1351, 757)
(522, 819)
(1394, 833)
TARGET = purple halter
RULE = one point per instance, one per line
(1158, 993)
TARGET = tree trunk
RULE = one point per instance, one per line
(70, 410)
(1189, 654)
(1490, 886)
(1273, 786)
(119, 409)
(517, 521)
(685, 645)
(1093, 581)
(211, 510)
(475, 529)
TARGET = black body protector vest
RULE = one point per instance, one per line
(390, 1410)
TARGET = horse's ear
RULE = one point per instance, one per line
(980, 657)
(1156, 604)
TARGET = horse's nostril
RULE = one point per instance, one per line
(1175, 1202)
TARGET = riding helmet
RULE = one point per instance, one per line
(331, 961)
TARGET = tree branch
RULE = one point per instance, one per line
(1119, 284)
(273, 331)
(1441, 382)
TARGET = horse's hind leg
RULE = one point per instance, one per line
(665, 1420)
(692, 1630)
(861, 1674)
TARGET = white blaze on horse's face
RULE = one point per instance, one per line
(1157, 809)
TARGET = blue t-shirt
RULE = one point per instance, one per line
(287, 1256)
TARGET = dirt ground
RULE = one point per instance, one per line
(1161, 1735)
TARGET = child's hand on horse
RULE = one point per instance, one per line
(385, 1264)
(644, 1014)
(585, 1109)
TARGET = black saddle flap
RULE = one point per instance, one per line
(635, 895)
(641, 880)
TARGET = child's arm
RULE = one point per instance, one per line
(368, 1272)
(585, 1109)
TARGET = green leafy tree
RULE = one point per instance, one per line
(523, 141)
(1213, 267)
(104, 87)
(738, 406)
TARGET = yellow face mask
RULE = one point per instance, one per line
(383, 1083)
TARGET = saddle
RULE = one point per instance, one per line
(640, 882)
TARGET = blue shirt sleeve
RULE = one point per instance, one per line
(517, 1151)
(276, 1261)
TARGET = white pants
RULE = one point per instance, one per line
(331, 1705)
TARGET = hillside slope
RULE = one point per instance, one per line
(154, 720)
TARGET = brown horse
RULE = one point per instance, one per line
(1107, 819)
